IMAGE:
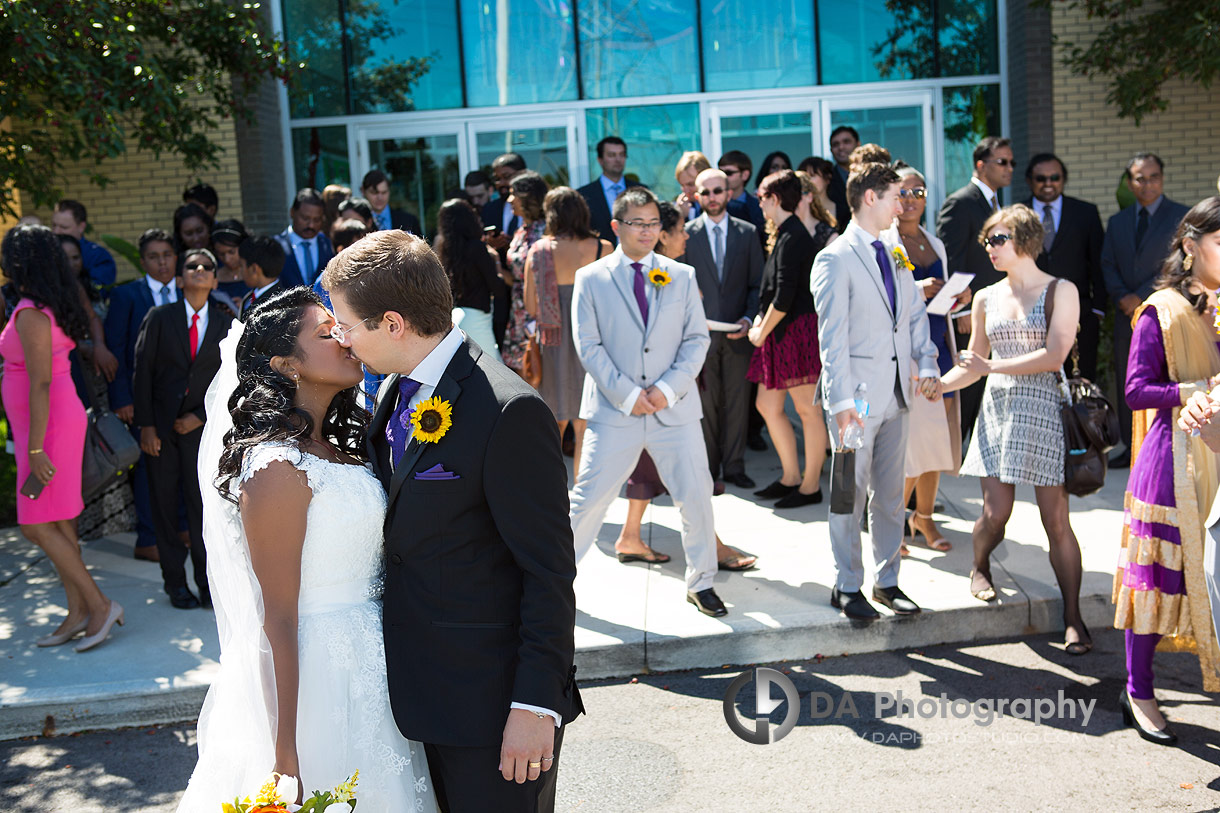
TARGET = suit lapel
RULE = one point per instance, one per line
(617, 271)
(212, 336)
(375, 444)
(658, 294)
(699, 248)
(867, 257)
(180, 330)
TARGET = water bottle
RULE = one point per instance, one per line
(853, 436)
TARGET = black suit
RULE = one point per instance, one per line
(168, 385)
(1076, 256)
(725, 391)
(479, 608)
(403, 220)
(837, 192)
(248, 302)
(599, 212)
(493, 215)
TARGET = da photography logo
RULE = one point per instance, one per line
(763, 678)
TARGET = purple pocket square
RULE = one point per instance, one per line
(437, 472)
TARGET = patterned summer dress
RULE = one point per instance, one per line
(512, 349)
(1018, 437)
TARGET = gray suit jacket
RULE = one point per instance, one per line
(861, 338)
(620, 353)
(736, 296)
(1126, 270)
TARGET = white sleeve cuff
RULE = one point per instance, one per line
(842, 406)
(539, 710)
(629, 404)
(666, 391)
(929, 373)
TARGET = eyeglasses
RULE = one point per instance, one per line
(997, 240)
(338, 332)
(717, 191)
(197, 266)
(1056, 178)
(1003, 162)
(918, 193)
(642, 225)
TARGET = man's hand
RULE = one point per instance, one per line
(931, 388)
(1129, 303)
(963, 323)
(972, 362)
(642, 405)
(126, 414)
(931, 286)
(149, 442)
(187, 423)
(740, 334)
(528, 739)
(962, 300)
(682, 203)
(845, 419)
(656, 398)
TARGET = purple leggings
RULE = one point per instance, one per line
(1140, 649)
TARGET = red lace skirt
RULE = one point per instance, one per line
(790, 361)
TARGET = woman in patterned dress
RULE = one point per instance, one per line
(1018, 437)
(528, 191)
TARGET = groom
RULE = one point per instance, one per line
(479, 609)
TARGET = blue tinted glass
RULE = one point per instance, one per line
(758, 136)
(545, 151)
(898, 129)
(969, 41)
(315, 39)
(756, 44)
(656, 137)
(866, 41)
(623, 47)
(518, 54)
(971, 114)
(319, 157)
(404, 55)
(421, 173)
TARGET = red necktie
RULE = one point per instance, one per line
(192, 335)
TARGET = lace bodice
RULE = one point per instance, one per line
(343, 535)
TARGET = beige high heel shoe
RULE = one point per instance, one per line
(65, 636)
(114, 616)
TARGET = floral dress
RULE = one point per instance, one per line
(513, 347)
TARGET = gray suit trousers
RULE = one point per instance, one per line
(726, 404)
(880, 472)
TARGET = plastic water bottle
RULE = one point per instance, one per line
(853, 436)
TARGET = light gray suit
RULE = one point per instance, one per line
(623, 356)
(863, 340)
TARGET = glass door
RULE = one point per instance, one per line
(548, 144)
(423, 166)
(759, 128)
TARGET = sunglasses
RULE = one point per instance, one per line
(199, 266)
(997, 240)
(1003, 162)
(717, 191)
(918, 193)
(1056, 178)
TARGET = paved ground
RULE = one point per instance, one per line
(661, 744)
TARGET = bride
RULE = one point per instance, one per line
(293, 523)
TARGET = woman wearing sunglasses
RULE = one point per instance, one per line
(1018, 437)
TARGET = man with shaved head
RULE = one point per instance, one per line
(726, 254)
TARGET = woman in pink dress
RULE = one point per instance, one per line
(47, 422)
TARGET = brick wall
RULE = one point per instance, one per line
(260, 153)
(1096, 144)
(1030, 77)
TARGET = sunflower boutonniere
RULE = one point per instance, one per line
(901, 256)
(431, 419)
(659, 277)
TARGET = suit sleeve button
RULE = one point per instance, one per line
(395, 558)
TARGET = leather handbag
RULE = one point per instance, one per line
(110, 450)
(531, 364)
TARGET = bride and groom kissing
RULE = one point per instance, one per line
(412, 616)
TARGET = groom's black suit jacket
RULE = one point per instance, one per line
(479, 609)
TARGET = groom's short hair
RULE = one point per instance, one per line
(877, 177)
(393, 271)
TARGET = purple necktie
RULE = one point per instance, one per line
(641, 293)
(398, 428)
(887, 275)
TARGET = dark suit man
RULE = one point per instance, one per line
(605, 189)
(479, 607)
(307, 249)
(376, 190)
(177, 356)
(728, 262)
(499, 213)
(843, 139)
(958, 225)
(1137, 239)
(1071, 248)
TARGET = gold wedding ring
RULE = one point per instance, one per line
(535, 764)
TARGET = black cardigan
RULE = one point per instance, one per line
(785, 281)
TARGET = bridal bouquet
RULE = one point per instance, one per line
(270, 798)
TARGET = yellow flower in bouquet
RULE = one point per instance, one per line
(270, 797)
(901, 257)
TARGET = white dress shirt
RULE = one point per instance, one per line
(650, 295)
(992, 197)
(307, 269)
(1056, 206)
(612, 189)
(201, 325)
(156, 287)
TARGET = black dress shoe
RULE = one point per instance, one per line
(895, 599)
(775, 491)
(796, 499)
(741, 480)
(853, 605)
(205, 599)
(708, 603)
(756, 443)
(182, 598)
(1123, 461)
(1162, 737)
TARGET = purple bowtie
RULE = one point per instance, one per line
(641, 293)
(398, 428)
(887, 275)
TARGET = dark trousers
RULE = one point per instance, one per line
(146, 530)
(172, 476)
(725, 396)
(1122, 348)
(468, 780)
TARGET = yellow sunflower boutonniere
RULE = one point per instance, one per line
(901, 257)
(431, 419)
(659, 277)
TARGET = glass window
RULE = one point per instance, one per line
(421, 171)
(755, 44)
(898, 129)
(656, 137)
(314, 36)
(971, 114)
(873, 40)
(404, 55)
(545, 151)
(624, 46)
(967, 36)
(319, 156)
(758, 136)
(518, 54)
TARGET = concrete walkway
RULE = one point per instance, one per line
(632, 618)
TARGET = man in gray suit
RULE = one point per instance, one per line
(642, 337)
(728, 260)
(1137, 239)
(871, 323)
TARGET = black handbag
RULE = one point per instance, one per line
(110, 450)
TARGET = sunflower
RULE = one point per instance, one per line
(901, 257)
(659, 277)
(431, 420)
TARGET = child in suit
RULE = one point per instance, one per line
(177, 356)
(264, 260)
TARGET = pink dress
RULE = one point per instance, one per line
(66, 423)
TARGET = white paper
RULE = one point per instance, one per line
(723, 327)
(943, 301)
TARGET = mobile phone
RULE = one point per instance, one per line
(491, 230)
(33, 487)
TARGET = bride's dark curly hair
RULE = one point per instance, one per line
(263, 407)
